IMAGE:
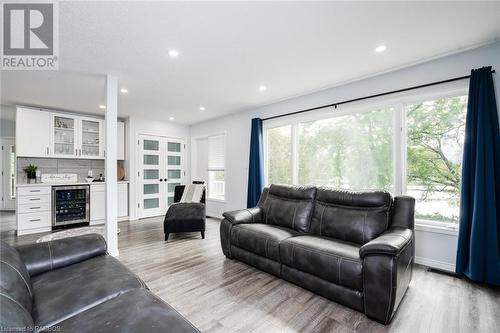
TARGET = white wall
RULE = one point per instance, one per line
(139, 125)
(430, 246)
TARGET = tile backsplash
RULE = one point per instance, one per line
(60, 165)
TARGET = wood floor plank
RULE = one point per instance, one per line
(219, 295)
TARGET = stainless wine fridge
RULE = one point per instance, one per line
(70, 205)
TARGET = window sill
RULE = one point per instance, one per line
(216, 200)
(446, 229)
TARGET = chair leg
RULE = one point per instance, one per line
(203, 234)
(166, 236)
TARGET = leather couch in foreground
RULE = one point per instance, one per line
(356, 248)
(72, 285)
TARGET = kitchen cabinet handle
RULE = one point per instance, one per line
(161, 179)
(34, 207)
(34, 220)
(47, 150)
(34, 190)
(35, 199)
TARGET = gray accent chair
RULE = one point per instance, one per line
(355, 248)
(185, 216)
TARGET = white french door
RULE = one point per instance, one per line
(161, 168)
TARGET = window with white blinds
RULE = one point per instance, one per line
(216, 152)
(216, 166)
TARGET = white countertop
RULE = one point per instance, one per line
(68, 184)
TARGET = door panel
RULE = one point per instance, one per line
(64, 136)
(174, 167)
(91, 135)
(149, 177)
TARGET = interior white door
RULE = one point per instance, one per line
(150, 194)
(162, 167)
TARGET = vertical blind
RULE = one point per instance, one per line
(216, 152)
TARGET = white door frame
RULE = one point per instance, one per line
(163, 166)
(7, 203)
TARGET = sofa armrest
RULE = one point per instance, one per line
(186, 211)
(46, 256)
(249, 215)
(391, 242)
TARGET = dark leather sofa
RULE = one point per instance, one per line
(72, 285)
(356, 248)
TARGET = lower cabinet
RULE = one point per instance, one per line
(33, 209)
(98, 203)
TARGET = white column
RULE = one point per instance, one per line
(110, 165)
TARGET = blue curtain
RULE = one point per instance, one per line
(256, 167)
(478, 253)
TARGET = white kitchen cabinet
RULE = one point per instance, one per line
(32, 133)
(77, 136)
(64, 135)
(98, 203)
(33, 210)
(41, 133)
(90, 138)
(122, 200)
(120, 140)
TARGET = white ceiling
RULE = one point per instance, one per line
(228, 49)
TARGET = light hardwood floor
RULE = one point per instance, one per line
(221, 295)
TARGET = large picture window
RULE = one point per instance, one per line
(349, 152)
(412, 148)
(435, 137)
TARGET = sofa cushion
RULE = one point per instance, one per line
(134, 311)
(289, 206)
(356, 217)
(332, 260)
(261, 239)
(15, 282)
(65, 292)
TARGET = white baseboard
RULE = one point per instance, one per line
(445, 266)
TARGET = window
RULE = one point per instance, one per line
(279, 153)
(435, 140)
(350, 152)
(361, 150)
(216, 166)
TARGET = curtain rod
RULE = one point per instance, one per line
(372, 96)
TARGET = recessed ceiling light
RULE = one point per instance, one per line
(262, 88)
(171, 118)
(173, 53)
(124, 90)
(380, 48)
(102, 106)
(202, 108)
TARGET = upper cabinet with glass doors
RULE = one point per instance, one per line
(91, 138)
(74, 136)
(42, 133)
(64, 136)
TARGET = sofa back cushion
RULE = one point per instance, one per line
(289, 206)
(356, 217)
(15, 283)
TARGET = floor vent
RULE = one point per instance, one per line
(442, 272)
